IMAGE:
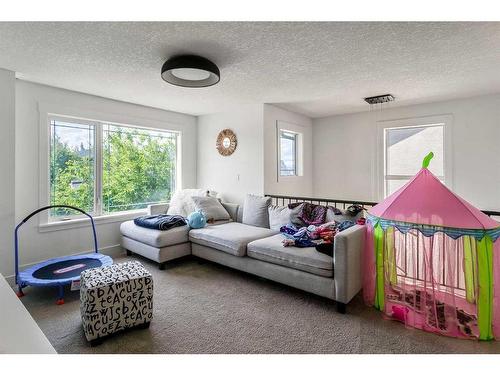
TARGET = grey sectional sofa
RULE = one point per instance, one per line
(258, 251)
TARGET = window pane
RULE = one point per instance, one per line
(407, 147)
(393, 185)
(288, 144)
(72, 155)
(139, 167)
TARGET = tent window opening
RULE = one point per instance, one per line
(412, 267)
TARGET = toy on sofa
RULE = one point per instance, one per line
(197, 219)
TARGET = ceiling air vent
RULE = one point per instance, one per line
(379, 99)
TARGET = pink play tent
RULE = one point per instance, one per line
(432, 261)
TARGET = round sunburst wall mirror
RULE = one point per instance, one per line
(226, 142)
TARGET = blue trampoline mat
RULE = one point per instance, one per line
(63, 270)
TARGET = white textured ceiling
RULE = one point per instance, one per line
(317, 69)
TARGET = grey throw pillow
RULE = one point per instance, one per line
(282, 215)
(278, 216)
(294, 216)
(211, 207)
(255, 211)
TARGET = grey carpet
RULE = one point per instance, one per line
(207, 308)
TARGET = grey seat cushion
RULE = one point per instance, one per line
(231, 237)
(307, 259)
(153, 237)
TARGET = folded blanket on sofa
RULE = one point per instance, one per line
(160, 222)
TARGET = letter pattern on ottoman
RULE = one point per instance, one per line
(114, 298)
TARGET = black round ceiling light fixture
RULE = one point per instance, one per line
(190, 71)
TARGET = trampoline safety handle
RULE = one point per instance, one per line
(16, 240)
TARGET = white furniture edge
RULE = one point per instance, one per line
(19, 333)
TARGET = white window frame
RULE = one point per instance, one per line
(97, 171)
(295, 138)
(382, 126)
(48, 112)
(282, 126)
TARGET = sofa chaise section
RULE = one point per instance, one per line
(159, 246)
(153, 237)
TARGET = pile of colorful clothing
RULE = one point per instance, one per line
(314, 232)
(314, 214)
(312, 235)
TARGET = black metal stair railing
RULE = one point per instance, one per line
(283, 200)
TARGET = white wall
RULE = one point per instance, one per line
(242, 172)
(296, 185)
(345, 148)
(7, 170)
(339, 157)
(36, 246)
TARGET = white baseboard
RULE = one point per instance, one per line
(113, 251)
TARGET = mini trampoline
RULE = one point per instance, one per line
(60, 271)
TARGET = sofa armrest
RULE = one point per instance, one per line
(232, 209)
(347, 260)
(158, 209)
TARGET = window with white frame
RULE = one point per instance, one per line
(106, 168)
(288, 164)
(404, 149)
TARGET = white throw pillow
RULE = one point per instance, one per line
(181, 202)
(211, 208)
(213, 193)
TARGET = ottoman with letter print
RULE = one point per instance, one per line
(114, 298)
